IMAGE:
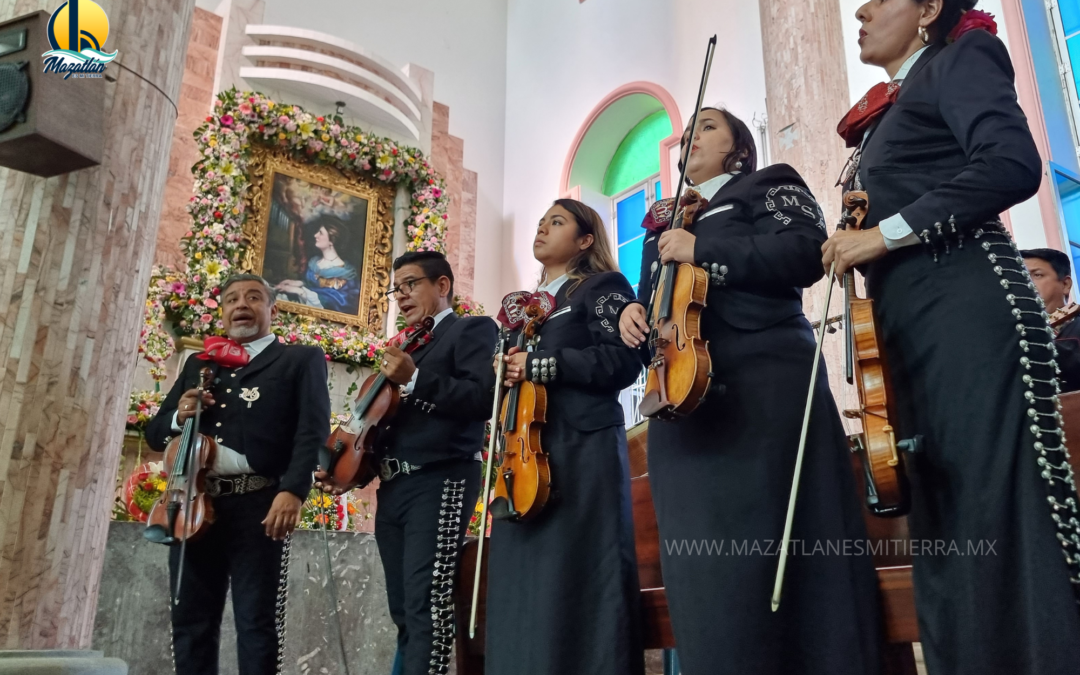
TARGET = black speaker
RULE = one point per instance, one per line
(49, 125)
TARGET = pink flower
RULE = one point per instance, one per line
(282, 120)
(227, 120)
(211, 303)
(206, 318)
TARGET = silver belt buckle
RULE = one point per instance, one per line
(386, 470)
(389, 468)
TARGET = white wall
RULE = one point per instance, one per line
(464, 43)
(1026, 217)
(564, 57)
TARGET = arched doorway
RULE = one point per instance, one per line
(620, 162)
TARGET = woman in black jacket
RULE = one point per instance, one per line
(944, 150)
(563, 593)
(722, 475)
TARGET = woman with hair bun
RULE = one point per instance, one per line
(941, 150)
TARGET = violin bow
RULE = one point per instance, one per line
(193, 441)
(785, 543)
(675, 211)
(487, 481)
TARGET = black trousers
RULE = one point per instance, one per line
(235, 550)
(419, 525)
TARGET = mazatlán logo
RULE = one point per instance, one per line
(77, 31)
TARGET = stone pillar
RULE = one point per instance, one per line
(75, 256)
(807, 90)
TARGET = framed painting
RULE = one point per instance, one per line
(321, 238)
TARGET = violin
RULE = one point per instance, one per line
(887, 490)
(348, 454)
(1059, 318)
(184, 511)
(680, 371)
(523, 477)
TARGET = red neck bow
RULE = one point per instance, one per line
(881, 97)
(867, 111)
(224, 352)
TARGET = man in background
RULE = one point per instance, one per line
(1052, 274)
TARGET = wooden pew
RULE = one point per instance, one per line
(894, 571)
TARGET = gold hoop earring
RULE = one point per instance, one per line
(924, 35)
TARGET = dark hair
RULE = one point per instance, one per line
(951, 11)
(595, 259)
(1058, 260)
(335, 227)
(743, 147)
(235, 278)
(433, 263)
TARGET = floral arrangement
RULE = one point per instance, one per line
(323, 511)
(214, 246)
(155, 343)
(474, 521)
(142, 406)
(143, 488)
(466, 306)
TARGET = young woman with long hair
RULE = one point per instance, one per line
(563, 594)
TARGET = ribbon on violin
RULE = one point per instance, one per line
(404, 336)
(224, 352)
(883, 95)
(513, 313)
(662, 211)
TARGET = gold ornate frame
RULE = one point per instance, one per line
(375, 277)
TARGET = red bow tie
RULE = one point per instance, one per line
(867, 111)
(225, 352)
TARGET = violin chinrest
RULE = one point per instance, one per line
(156, 534)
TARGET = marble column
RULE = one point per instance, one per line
(75, 257)
(807, 90)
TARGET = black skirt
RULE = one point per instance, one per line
(563, 594)
(1001, 600)
(721, 479)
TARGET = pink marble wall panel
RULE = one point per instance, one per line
(807, 89)
(75, 258)
(196, 97)
(467, 237)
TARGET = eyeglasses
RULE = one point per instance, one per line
(405, 288)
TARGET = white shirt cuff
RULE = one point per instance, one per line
(897, 233)
(412, 383)
(227, 462)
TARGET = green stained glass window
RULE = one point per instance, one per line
(638, 156)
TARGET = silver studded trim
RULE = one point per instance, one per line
(1040, 376)
(442, 588)
(282, 601)
(717, 273)
(543, 369)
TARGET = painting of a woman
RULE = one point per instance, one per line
(329, 282)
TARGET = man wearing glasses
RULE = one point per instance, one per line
(430, 476)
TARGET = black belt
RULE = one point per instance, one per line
(390, 467)
(222, 486)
